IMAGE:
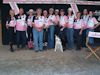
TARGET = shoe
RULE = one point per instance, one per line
(11, 49)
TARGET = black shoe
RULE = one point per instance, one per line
(78, 49)
(36, 51)
(11, 49)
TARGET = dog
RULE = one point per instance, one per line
(58, 44)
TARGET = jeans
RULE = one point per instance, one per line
(78, 38)
(38, 39)
(91, 39)
(83, 41)
(70, 35)
(51, 36)
(21, 38)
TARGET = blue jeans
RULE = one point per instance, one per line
(91, 39)
(51, 36)
(70, 35)
(38, 39)
(21, 38)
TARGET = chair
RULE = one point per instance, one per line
(92, 49)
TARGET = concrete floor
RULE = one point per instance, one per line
(27, 62)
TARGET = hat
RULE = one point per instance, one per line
(70, 9)
(51, 9)
(30, 11)
(56, 10)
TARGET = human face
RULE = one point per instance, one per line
(30, 13)
(11, 13)
(51, 10)
(21, 11)
(45, 13)
(78, 15)
(39, 11)
(90, 13)
(62, 13)
(69, 12)
(85, 12)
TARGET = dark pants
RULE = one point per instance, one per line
(21, 38)
(30, 34)
(11, 34)
(45, 35)
(84, 38)
(77, 38)
(57, 29)
(62, 36)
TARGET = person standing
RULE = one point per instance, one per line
(70, 29)
(91, 25)
(10, 25)
(21, 28)
(46, 22)
(63, 25)
(30, 19)
(85, 18)
(51, 29)
(38, 30)
(78, 29)
(57, 28)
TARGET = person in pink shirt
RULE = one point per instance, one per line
(91, 25)
(70, 30)
(21, 28)
(63, 27)
(38, 30)
(57, 28)
(85, 17)
(46, 23)
(29, 20)
(10, 25)
(78, 29)
(51, 29)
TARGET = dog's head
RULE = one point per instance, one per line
(57, 38)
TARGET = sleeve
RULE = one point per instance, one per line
(95, 21)
(33, 19)
(82, 23)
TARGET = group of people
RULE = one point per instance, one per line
(41, 26)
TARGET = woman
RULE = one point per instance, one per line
(51, 29)
(91, 25)
(46, 22)
(78, 28)
(57, 28)
(10, 25)
(30, 19)
(38, 31)
(70, 30)
(21, 28)
(85, 17)
(63, 25)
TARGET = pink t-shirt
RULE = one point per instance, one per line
(79, 24)
(21, 24)
(12, 23)
(39, 22)
(70, 21)
(63, 20)
(57, 19)
(46, 22)
(52, 19)
(29, 21)
(85, 19)
(91, 22)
